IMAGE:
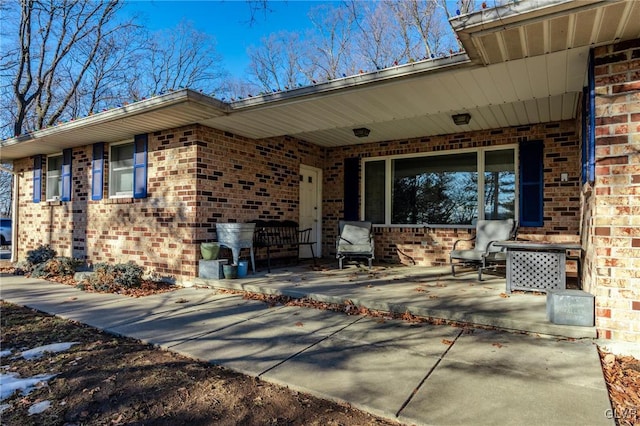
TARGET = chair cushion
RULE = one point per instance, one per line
(468, 255)
(493, 230)
(476, 256)
(355, 249)
(355, 240)
(355, 235)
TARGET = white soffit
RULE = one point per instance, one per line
(530, 28)
(525, 91)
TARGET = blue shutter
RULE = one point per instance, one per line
(37, 178)
(66, 175)
(140, 167)
(532, 183)
(351, 189)
(585, 135)
(97, 171)
(591, 125)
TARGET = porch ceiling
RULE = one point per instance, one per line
(519, 92)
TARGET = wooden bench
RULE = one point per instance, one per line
(284, 233)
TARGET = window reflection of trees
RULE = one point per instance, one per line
(441, 197)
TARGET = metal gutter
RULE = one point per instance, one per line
(404, 71)
(140, 107)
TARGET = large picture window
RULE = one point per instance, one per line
(456, 188)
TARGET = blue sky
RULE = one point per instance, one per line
(227, 21)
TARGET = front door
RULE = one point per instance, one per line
(310, 207)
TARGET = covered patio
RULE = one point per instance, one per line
(420, 291)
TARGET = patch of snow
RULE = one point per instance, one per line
(11, 382)
(6, 352)
(40, 350)
(39, 407)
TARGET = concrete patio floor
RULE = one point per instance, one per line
(423, 291)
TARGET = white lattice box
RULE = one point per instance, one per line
(536, 270)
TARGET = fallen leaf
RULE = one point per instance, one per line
(504, 295)
(447, 342)
(497, 345)
(609, 359)
(299, 324)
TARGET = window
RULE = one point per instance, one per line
(121, 170)
(128, 169)
(54, 177)
(499, 184)
(456, 188)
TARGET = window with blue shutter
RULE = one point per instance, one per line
(37, 178)
(532, 183)
(97, 171)
(140, 167)
(66, 175)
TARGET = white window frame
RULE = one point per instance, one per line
(112, 170)
(50, 176)
(388, 187)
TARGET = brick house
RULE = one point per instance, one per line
(550, 91)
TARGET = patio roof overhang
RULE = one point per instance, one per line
(496, 82)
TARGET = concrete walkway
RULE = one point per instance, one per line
(416, 374)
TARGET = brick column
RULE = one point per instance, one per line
(613, 255)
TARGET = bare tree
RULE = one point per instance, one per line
(182, 57)
(6, 189)
(330, 46)
(68, 58)
(57, 43)
(419, 22)
(275, 63)
(233, 88)
(376, 39)
(354, 36)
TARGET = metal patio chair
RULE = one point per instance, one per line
(484, 254)
(355, 240)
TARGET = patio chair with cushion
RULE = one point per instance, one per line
(484, 254)
(355, 240)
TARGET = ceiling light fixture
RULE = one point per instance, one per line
(461, 119)
(361, 132)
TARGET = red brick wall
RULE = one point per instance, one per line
(613, 203)
(429, 247)
(240, 179)
(196, 177)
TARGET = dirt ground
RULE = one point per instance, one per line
(107, 380)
